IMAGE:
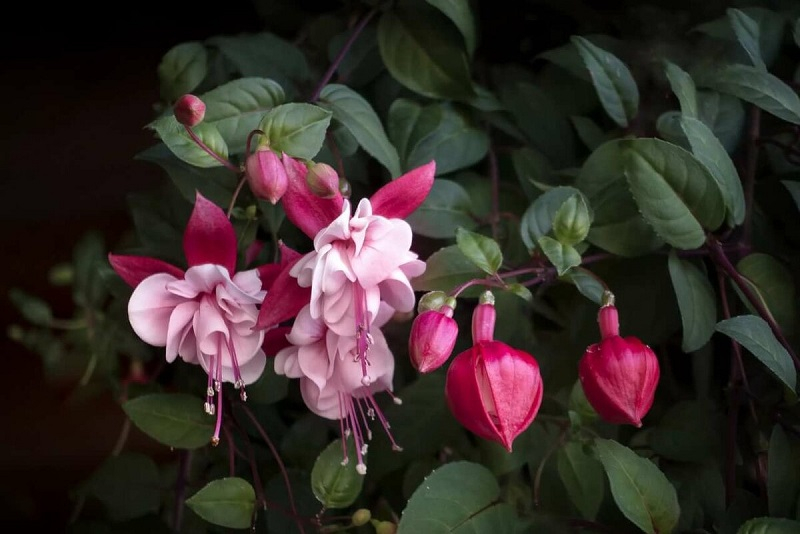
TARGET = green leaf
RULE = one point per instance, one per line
(572, 220)
(794, 190)
(182, 69)
(642, 492)
(538, 219)
(724, 114)
(174, 419)
(689, 431)
(773, 284)
(757, 87)
(357, 115)
(583, 477)
(362, 63)
(754, 334)
(237, 107)
(446, 269)
(460, 13)
(403, 120)
(275, 492)
(128, 485)
(675, 193)
(33, 309)
(269, 388)
(587, 284)
(613, 81)
(696, 300)
(709, 151)
(446, 208)
(533, 170)
(446, 135)
(588, 131)
(783, 481)
(747, 33)
(336, 484)
(296, 129)
(459, 496)
(521, 291)
(423, 51)
(481, 250)
(769, 525)
(227, 502)
(683, 87)
(182, 145)
(563, 257)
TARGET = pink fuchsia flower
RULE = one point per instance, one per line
(619, 375)
(206, 314)
(331, 379)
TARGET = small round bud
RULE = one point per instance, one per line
(385, 527)
(361, 517)
(322, 180)
(189, 110)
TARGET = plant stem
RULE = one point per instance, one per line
(341, 55)
(235, 195)
(199, 142)
(278, 459)
(494, 176)
(751, 164)
(180, 487)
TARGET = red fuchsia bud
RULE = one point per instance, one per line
(322, 180)
(483, 318)
(494, 390)
(189, 110)
(619, 375)
(433, 336)
(266, 175)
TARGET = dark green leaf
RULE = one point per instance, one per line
(583, 477)
(423, 51)
(769, 525)
(174, 419)
(794, 190)
(538, 219)
(182, 145)
(337, 484)
(481, 250)
(587, 283)
(568, 58)
(32, 308)
(640, 489)
(128, 486)
(757, 87)
(447, 268)
(588, 131)
(236, 108)
(458, 496)
(773, 284)
(269, 388)
(683, 87)
(446, 208)
(696, 300)
(613, 81)
(362, 63)
(521, 291)
(360, 119)
(182, 69)
(563, 257)
(278, 521)
(461, 15)
(227, 502)
(534, 172)
(756, 336)
(783, 480)
(675, 193)
(296, 129)
(688, 432)
(404, 120)
(709, 151)
(747, 33)
(724, 114)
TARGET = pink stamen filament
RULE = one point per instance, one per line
(362, 328)
(237, 375)
(345, 459)
(218, 388)
(386, 426)
(363, 418)
(357, 437)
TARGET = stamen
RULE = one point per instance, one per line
(384, 422)
(238, 383)
(363, 337)
(363, 418)
(395, 399)
(218, 387)
(361, 467)
(342, 432)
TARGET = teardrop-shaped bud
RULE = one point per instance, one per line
(483, 318)
(189, 110)
(494, 390)
(322, 180)
(619, 375)
(266, 175)
(433, 336)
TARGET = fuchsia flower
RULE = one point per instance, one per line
(492, 389)
(432, 339)
(619, 375)
(206, 314)
(266, 175)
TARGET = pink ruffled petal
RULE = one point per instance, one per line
(209, 236)
(384, 250)
(286, 363)
(210, 327)
(397, 292)
(134, 269)
(303, 208)
(150, 307)
(284, 300)
(399, 198)
(306, 330)
(348, 372)
(323, 402)
(249, 283)
(180, 322)
(314, 363)
(252, 370)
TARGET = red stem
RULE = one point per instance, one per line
(199, 142)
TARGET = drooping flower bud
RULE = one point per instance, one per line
(433, 336)
(483, 318)
(494, 390)
(322, 180)
(266, 175)
(619, 375)
(189, 110)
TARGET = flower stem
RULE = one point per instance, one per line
(199, 142)
(341, 55)
(236, 194)
(180, 488)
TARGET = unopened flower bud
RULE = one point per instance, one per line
(266, 175)
(189, 110)
(433, 336)
(619, 375)
(483, 318)
(322, 180)
(385, 527)
(361, 517)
